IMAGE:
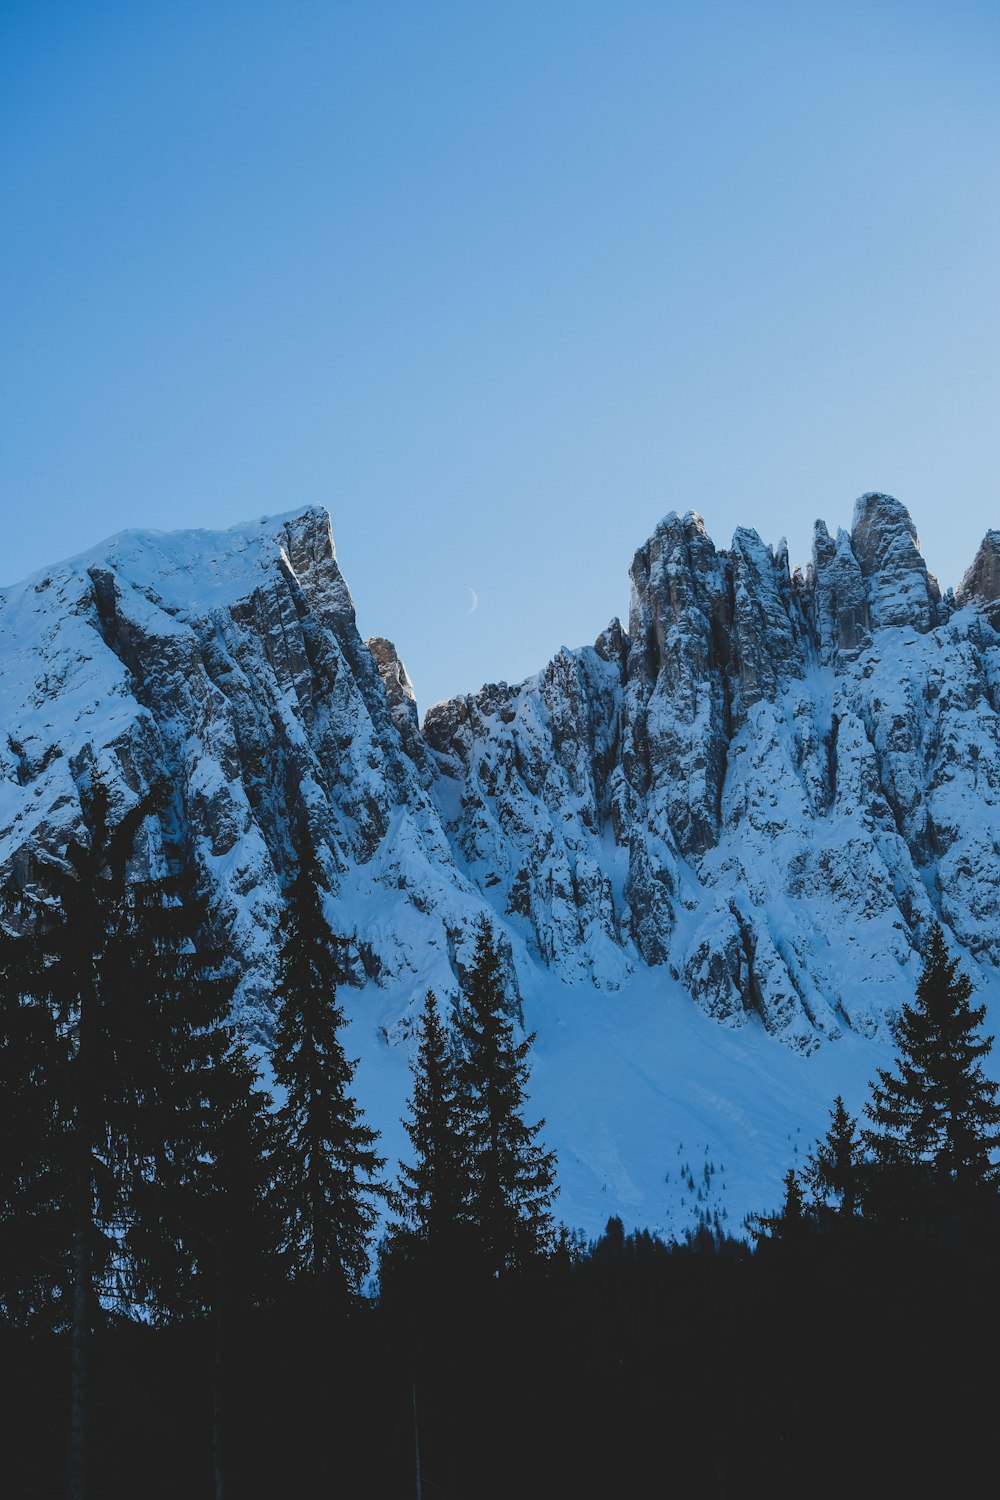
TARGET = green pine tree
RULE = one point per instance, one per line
(512, 1178)
(326, 1165)
(935, 1119)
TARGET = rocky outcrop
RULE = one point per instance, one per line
(841, 616)
(885, 542)
(768, 632)
(796, 774)
(981, 583)
(399, 692)
(511, 761)
(677, 698)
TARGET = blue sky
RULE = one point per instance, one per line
(500, 284)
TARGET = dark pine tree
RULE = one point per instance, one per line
(326, 1165)
(237, 1255)
(431, 1197)
(111, 968)
(35, 1228)
(236, 1244)
(789, 1224)
(935, 1119)
(834, 1170)
(82, 925)
(201, 1236)
(512, 1178)
(172, 1049)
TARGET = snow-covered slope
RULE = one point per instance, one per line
(712, 843)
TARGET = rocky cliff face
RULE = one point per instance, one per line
(981, 584)
(229, 666)
(769, 784)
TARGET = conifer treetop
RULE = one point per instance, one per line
(936, 1113)
(326, 1164)
(513, 1177)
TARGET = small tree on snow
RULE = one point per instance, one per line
(431, 1198)
(787, 1225)
(512, 1178)
(326, 1165)
(833, 1170)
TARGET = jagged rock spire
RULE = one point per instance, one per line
(885, 542)
(981, 582)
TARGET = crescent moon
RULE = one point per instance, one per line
(475, 601)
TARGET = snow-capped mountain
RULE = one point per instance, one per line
(227, 665)
(747, 807)
(771, 784)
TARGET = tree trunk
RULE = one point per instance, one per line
(218, 1445)
(80, 1352)
(417, 1480)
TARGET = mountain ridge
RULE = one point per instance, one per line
(619, 807)
(711, 844)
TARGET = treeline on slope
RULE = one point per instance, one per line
(146, 1173)
(183, 1257)
(925, 1163)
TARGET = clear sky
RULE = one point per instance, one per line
(498, 283)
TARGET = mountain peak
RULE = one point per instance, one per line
(885, 542)
(749, 808)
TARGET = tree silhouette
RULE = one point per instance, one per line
(935, 1119)
(109, 968)
(833, 1171)
(512, 1185)
(789, 1224)
(35, 1226)
(431, 1198)
(325, 1160)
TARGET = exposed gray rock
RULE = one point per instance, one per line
(840, 601)
(767, 632)
(511, 762)
(981, 583)
(783, 764)
(399, 691)
(885, 542)
(678, 691)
